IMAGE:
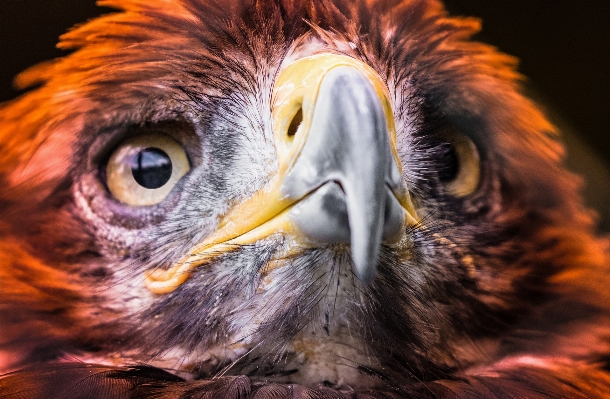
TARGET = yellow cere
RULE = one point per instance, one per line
(266, 212)
(297, 88)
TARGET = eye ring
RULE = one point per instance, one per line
(143, 170)
(465, 179)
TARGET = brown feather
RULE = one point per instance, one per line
(546, 287)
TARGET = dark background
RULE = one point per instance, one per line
(564, 47)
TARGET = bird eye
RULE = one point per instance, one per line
(461, 168)
(143, 170)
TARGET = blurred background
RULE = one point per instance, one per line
(564, 48)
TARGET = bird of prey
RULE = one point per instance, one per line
(292, 199)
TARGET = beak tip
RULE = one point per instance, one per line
(367, 276)
(365, 267)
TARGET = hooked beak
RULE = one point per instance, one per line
(339, 178)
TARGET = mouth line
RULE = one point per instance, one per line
(164, 281)
(282, 210)
(285, 210)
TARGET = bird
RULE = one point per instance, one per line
(292, 199)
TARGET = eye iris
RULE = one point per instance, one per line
(151, 168)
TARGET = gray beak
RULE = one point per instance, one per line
(346, 176)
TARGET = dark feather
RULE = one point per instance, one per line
(79, 381)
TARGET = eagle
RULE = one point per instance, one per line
(292, 199)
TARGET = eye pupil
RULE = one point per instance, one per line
(451, 165)
(151, 168)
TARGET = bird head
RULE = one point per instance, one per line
(340, 193)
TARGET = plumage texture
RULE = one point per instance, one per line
(507, 294)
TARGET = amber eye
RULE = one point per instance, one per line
(143, 170)
(461, 169)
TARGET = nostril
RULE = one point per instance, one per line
(295, 123)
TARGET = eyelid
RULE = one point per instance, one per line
(107, 139)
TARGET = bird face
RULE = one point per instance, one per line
(324, 174)
(333, 200)
(334, 193)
